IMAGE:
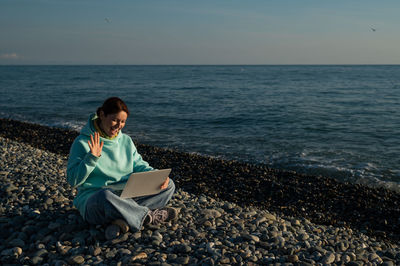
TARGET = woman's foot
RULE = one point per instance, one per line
(159, 216)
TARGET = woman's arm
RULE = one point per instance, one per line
(81, 163)
(139, 165)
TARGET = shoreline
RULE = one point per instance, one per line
(322, 200)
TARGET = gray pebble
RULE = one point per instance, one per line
(329, 258)
(77, 259)
(36, 260)
(251, 237)
(16, 243)
(182, 260)
(112, 232)
(388, 263)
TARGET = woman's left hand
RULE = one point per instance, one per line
(165, 184)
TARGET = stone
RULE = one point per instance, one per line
(10, 188)
(53, 226)
(303, 237)
(124, 251)
(41, 252)
(260, 220)
(211, 213)
(110, 254)
(355, 263)
(63, 249)
(120, 239)
(112, 232)
(49, 201)
(329, 258)
(296, 222)
(182, 248)
(96, 251)
(224, 261)
(207, 224)
(293, 258)
(60, 263)
(137, 235)
(124, 227)
(5, 173)
(77, 259)
(16, 243)
(140, 256)
(270, 216)
(36, 260)
(183, 260)
(251, 237)
(374, 257)
(7, 252)
(345, 258)
(17, 251)
(388, 263)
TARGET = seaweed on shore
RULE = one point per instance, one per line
(320, 199)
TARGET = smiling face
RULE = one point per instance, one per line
(111, 124)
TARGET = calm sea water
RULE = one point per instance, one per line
(337, 121)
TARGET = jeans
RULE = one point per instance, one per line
(106, 206)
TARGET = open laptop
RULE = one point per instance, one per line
(142, 183)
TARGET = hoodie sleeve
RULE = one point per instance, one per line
(139, 165)
(81, 163)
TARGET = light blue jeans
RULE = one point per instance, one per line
(106, 206)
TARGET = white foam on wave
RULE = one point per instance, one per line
(73, 125)
(365, 173)
(76, 125)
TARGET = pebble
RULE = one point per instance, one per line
(112, 232)
(95, 251)
(36, 260)
(211, 213)
(329, 258)
(16, 243)
(183, 260)
(251, 237)
(123, 226)
(78, 259)
(140, 256)
(209, 231)
(293, 258)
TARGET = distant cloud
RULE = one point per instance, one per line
(9, 56)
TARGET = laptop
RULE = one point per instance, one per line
(142, 183)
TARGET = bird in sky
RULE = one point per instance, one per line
(107, 20)
(373, 29)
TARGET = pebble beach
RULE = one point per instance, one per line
(231, 213)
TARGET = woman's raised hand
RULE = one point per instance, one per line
(95, 145)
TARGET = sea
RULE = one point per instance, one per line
(339, 121)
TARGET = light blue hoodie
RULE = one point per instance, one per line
(119, 158)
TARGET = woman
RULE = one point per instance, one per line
(101, 156)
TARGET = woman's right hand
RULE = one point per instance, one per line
(95, 145)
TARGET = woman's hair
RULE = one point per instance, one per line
(113, 105)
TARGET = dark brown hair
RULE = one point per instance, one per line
(113, 105)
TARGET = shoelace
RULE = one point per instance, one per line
(158, 216)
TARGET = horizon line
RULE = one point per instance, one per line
(321, 64)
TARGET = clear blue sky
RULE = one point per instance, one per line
(199, 32)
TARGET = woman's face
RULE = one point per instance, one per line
(113, 123)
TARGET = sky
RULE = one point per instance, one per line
(189, 32)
